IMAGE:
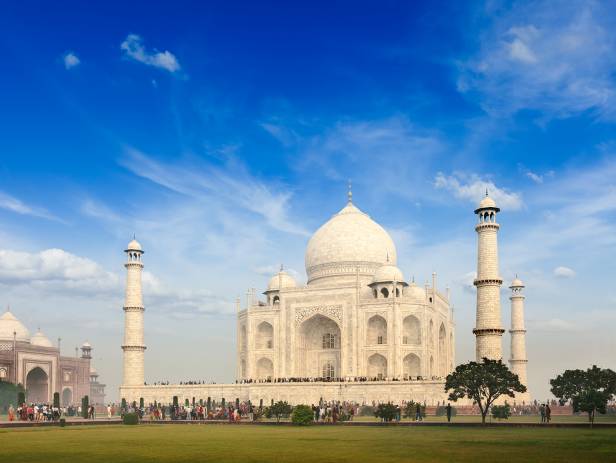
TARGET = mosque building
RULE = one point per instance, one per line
(34, 362)
(358, 330)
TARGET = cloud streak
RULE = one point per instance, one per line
(472, 188)
(10, 203)
(558, 61)
(133, 48)
(204, 181)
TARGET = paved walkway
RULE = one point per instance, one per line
(116, 420)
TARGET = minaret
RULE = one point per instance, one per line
(133, 346)
(488, 328)
(518, 361)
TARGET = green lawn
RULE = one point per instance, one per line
(223, 443)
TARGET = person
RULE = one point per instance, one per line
(11, 413)
(542, 412)
(448, 412)
(548, 413)
(109, 411)
(418, 413)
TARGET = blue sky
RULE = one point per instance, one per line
(223, 135)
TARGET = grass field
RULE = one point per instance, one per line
(222, 443)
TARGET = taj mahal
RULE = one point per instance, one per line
(358, 330)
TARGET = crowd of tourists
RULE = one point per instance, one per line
(322, 379)
(45, 412)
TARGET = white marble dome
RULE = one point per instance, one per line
(134, 245)
(349, 240)
(39, 339)
(487, 203)
(517, 283)
(388, 273)
(9, 325)
(416, 292)
(281, 280)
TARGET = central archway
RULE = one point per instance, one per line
(37, 386)
(67, 397)
(319, 346)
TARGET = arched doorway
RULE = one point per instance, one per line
(411, 366)
(265, 368)
(377, 330)
(319, 345)
(377, 366)
(411, 330)
(67, 397)
(37, 386)
(265, 336)
(442, 351)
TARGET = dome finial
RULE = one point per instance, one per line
(281, 267)
(487, 192)
(350, 193)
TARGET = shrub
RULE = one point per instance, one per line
(366, 410)
(386, 411)
(123, 404)
(501, 412)
(410, 410)
(56, 399)
(130, 418)
(302, 415)
(442, 411)
(21, 397)
(62, 422)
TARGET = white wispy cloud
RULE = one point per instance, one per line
(133, 48)
(557, 60)
(235, 187)
(55, 268)
(473, 188)
(70, 60)
(564, 272)
(10, 203)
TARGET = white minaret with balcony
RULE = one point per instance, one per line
(133, 345)
(488, 328)
(518, 360)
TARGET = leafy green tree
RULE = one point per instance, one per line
(589, 391)
(10, 394)
(483, 383)
(56, 399)
(123, 406)
(501, 412)
(386, 411)
(302, 415)
(85, 404)
(279, 409)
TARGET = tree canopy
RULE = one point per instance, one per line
(483, 382)
(589, 391)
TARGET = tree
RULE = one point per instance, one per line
(302, 415)
(9, 393)
(56, 399)
(280, 409)
(589, 391)
(386, 411)
(483, 383)
(85, 405)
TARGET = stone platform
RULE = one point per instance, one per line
(363, 392)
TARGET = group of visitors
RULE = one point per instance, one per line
(34, 412)
(546, 413)
(322, 379)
